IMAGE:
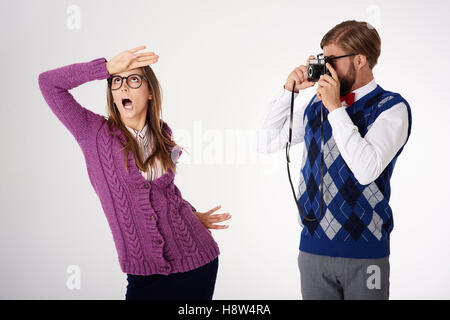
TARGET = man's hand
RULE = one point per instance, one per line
(300, 76)
(208, 220)
(328, 90)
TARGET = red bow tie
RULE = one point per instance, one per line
(349, 98)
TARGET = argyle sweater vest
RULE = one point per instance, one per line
(357, 219)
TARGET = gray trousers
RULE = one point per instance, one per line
(334, 278)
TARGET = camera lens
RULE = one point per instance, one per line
(314, 73)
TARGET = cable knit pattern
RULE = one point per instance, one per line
(121, 203)
(182, 235)
(153, 227)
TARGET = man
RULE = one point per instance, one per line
(344, 248)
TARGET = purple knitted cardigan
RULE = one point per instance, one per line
(153, 227)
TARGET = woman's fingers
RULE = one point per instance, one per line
(218, 226)
(140, 65)
(143, 63)
(209, 220)
(129, 59)
(145, 54)
(137, 49)
(212, 210)
(147, 58)
(220, 217)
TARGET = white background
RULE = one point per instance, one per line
(220, 64)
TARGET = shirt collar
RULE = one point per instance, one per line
(361, 92)
(138, 133)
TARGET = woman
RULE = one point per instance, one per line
(163, 244)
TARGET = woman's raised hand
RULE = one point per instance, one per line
(130, 59)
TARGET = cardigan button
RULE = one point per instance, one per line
(146, 185)
(152, 218)
(159, 241)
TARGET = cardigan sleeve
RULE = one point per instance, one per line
(55, 85)
(192, 207)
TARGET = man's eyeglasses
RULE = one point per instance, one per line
(331, 59)
(134, 81)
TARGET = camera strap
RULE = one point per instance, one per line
(288, 146)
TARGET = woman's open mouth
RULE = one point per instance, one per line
(127, 104)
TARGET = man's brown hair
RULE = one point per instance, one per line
(355, 37)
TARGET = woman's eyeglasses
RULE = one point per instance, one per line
(134, 81)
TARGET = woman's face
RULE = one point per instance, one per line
(131, 103)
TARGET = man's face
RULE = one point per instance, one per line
(344, 67)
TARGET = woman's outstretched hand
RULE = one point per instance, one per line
(208, 219)
(130, 59)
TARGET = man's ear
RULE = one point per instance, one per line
(360, 61)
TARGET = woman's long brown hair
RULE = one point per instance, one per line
(162, 141)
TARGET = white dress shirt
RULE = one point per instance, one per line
(366, 157)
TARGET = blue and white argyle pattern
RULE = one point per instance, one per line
(357, 219)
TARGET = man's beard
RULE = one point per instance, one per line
(347, 81)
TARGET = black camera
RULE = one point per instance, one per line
(317, 67)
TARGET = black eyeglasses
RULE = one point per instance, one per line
(134, 81)
(331, 58)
